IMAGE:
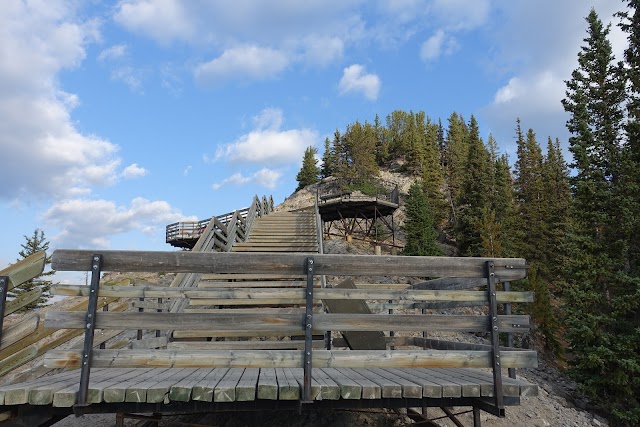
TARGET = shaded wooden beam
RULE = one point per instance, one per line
(288, 359)
(287, 323)
(327, 264)
(293, 293)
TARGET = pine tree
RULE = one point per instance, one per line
(419, 228)
(474, 198)
(35, 243)
(328, 160)
(602, 296)
(309, 171)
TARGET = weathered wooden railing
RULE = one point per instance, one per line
(458, 275)
(224, 229)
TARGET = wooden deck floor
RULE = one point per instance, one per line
(154, 385)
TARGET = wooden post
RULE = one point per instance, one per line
(308, 333)
(4, 289)
(90, 322)
(495, 334)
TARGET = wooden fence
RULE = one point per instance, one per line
(456, 277)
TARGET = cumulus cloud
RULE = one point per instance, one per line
(265, 177)
(90, 223)
(114, 52)
(49, 156)
(355, 79)
(535, 63)
(437, 45)
(242, 63)
(323, 50)
(267, 143)
(134, 171)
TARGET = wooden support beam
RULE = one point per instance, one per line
(19, 330)
(287, 359)
(232, 293)
(327, 264)
(22, 300)
(25, 269)
(286, 323)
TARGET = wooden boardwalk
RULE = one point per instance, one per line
(250, 327)
(158, 385)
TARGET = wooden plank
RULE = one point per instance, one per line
(272, 249)
(159, 392)
(468, 388)
(150, 343)
(151, 305)
(290, 358)
(268, 384)
(325, 264)
(349, 388)
(285, 323)
(225, 390)
(329, 389)
(27, 325)
(66, 397)
(18, 394)
(393, 386)
(298, 374)
(370, 390)
(96, 390)
(117, 392)
(246, 388)
(288, 388)
(22, 300)
(181, 390)
(451, 283)
(356, 340)
(264, 310)
(338, 292)
(429, 388)
(137, 392)
(449, 388)
(42, 332)
(43, 394)
(25, 269)
(244, 345)
(204, 284)
(252, 276)
(203, 391)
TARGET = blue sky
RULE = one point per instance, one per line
(117, 118)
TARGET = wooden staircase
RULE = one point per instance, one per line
(282, 232)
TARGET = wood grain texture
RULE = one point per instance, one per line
(327, 264)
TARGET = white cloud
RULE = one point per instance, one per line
(128, 75)
(461, 14)
(187, 170)
(267, 143)
(355, 79)
(90, 223)
(162, 20)
(114, 52)
(265, 177)
(437, 45)
(323, 50)
(534, 62)
(48, 156)
(242, 63)
(134, 171)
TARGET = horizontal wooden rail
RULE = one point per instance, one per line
(285, 323)
(22, 301)
(299, 294)
(25, 269)
(19, 330)
(289, 359)
(324, 264)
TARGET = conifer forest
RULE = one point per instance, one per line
(571, 208)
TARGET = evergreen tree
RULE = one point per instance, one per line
(602, 296)
(328, 160)
(431, 172)
(455, 160)
(420, 232)
(475, 196)
(309, 171)
(356, 152)
(35, 243)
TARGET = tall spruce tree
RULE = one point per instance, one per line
(35, 243)
(328, 160)
(475, 196)
(419, 228)
(309, 171)
(602, 297)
